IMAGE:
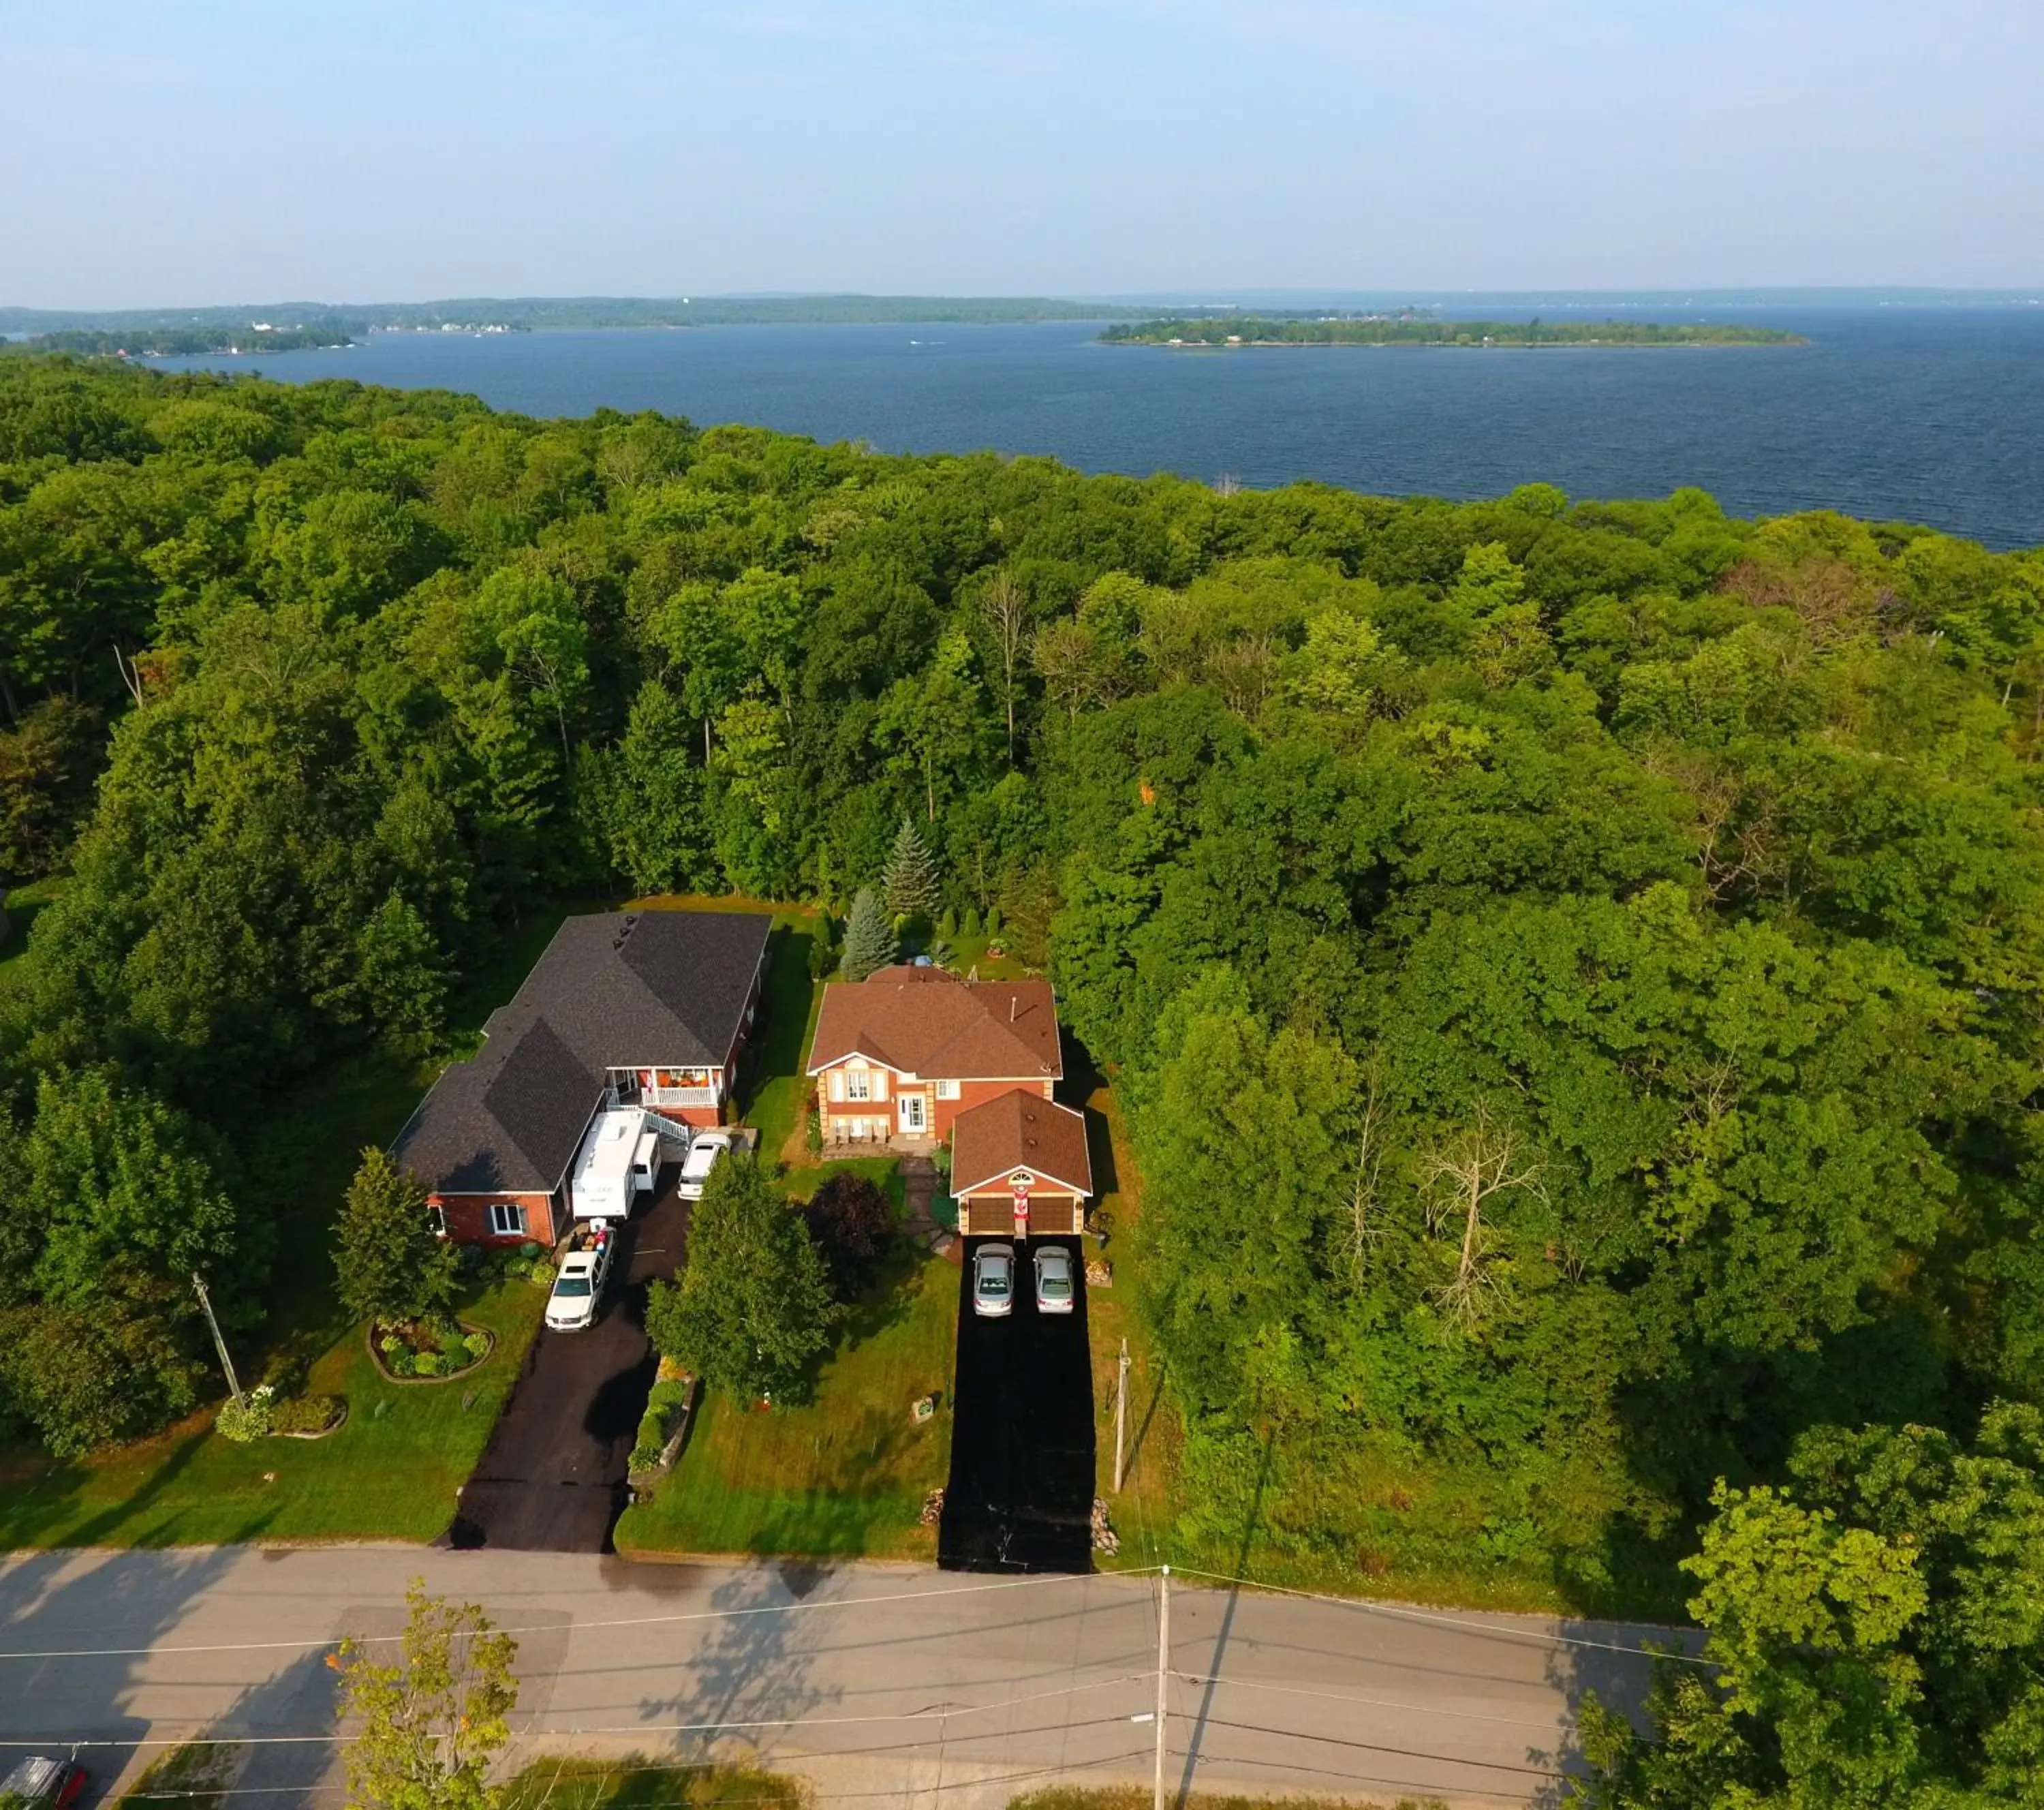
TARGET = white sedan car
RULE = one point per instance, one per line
(704, 1151)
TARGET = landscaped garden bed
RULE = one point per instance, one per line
(434, 1348)
(663, 1428)
(259, 1415)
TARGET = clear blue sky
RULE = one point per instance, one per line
(200, 151)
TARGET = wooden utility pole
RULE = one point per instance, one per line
(1121, 1411)
(1163, 1676)
(219, 1344)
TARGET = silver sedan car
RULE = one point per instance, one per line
(1053, 1279)
(994, 1280)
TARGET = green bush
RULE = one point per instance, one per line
(947, 922)
(971, 925)
(426, 1364)
(476, 1344)
(309, 1414)
(390, 1345)
(823, 949)
(656, 1425)
(399, 1363)
(249, 1418)
(528, 1250)
(994, 920)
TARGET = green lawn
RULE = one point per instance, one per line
(844, 1477)
(390, 1473)
(635, 1784)
(393, 1470)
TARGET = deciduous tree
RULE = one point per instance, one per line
(429, 1723)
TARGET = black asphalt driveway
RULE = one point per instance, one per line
(1021, 1493)
(552, 1477)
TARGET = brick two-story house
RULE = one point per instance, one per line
(897, 1056)
(648, 1009)
(914, 1056)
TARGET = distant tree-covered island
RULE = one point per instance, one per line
(208, 341)
(1428, 330)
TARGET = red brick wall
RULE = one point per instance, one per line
(468, 1218)
(942, 1114)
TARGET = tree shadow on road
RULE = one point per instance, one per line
(752, 1675)
(93, 1617)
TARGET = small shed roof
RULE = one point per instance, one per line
(1020, 1130)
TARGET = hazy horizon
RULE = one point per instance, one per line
(1146, 148)
(1759, 296)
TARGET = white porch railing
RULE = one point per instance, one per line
(678, 1096)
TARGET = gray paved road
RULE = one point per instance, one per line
(877, 1683)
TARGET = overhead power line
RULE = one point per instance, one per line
(939, 1713)
(1459, 1622)
(577, 1627)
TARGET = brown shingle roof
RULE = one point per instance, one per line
(1020, 1130)
(926, 1022)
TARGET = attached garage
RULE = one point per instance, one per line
(1020, 1168)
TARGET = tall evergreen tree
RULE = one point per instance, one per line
(390, 1265)
(869, 937)
(911, 879)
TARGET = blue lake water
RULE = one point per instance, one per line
(1929, 414)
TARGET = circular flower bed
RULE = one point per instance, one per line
(433, 1350)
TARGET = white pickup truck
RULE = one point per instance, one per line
(578, 1285)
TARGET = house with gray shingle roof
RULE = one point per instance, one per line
(647, 1009)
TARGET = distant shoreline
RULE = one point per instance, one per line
(1240, 332)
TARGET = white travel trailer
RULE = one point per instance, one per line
(616, 1166)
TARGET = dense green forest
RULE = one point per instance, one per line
(1406, 329)
(1573, 970)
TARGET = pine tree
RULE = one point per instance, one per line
(869, 937)
(911, 880)
(391, 1265)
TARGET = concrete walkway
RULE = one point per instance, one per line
(916, 1687)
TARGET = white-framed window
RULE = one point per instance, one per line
(507, 1219)
(947, 1090)
(915, 1116)
(857, 1085)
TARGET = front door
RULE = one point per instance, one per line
(915, 1114)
